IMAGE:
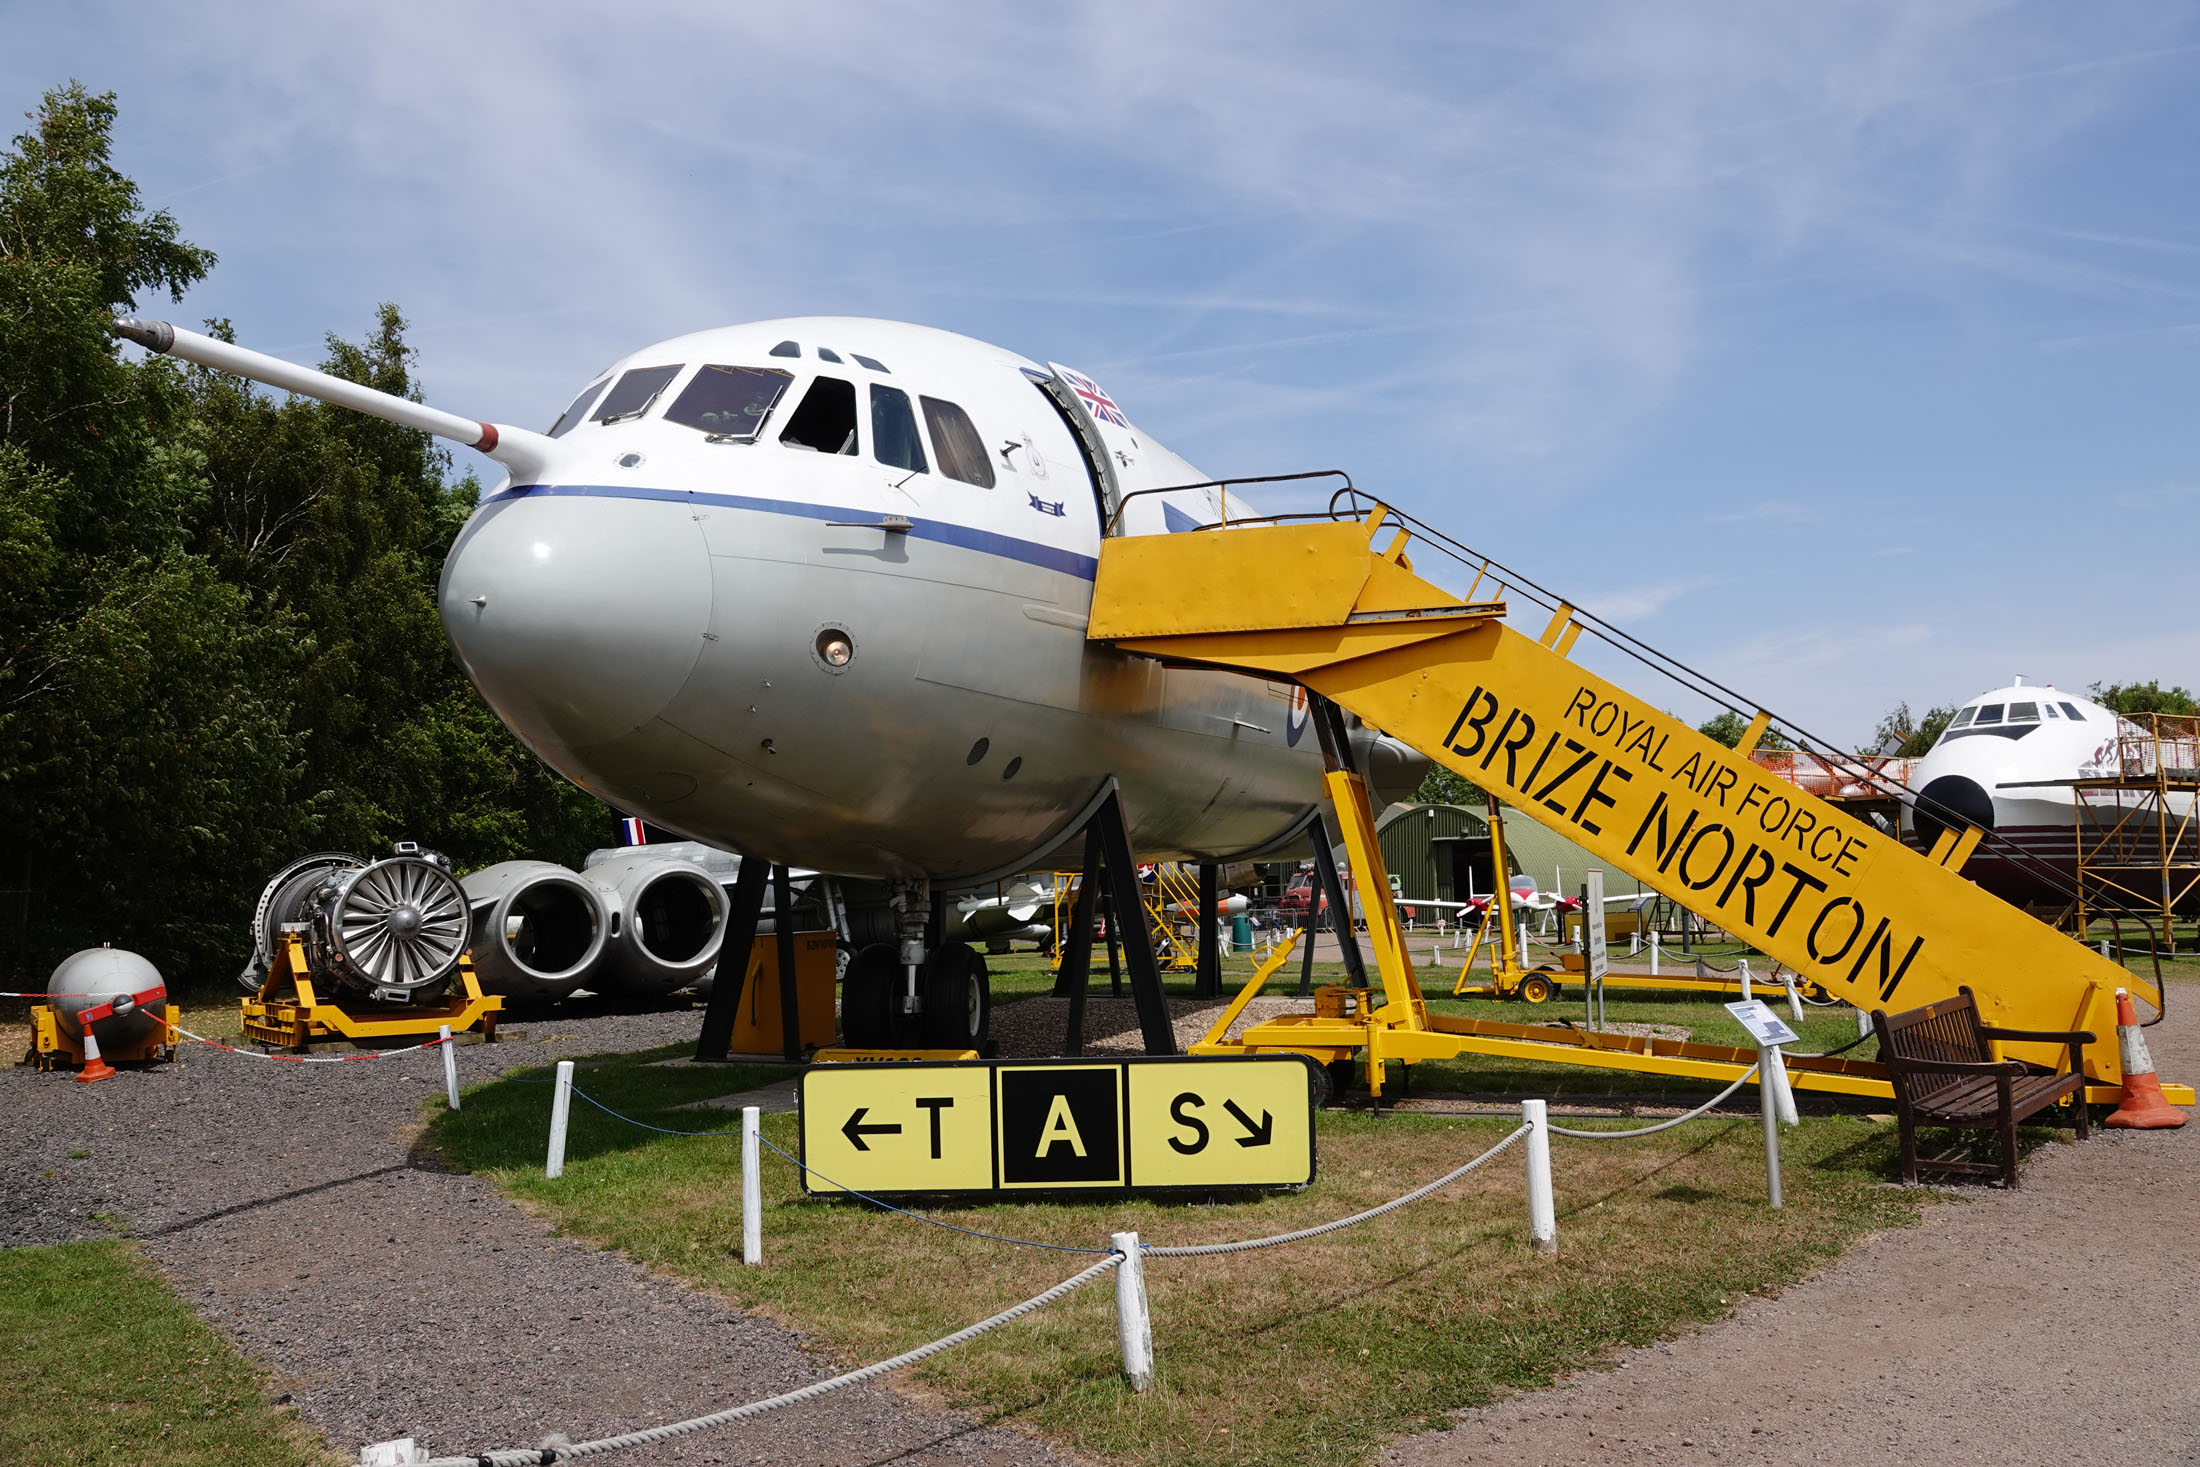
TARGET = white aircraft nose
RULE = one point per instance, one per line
(578, 617)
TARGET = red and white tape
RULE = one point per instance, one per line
(310, 1059)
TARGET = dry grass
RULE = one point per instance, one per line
(1439, 1306)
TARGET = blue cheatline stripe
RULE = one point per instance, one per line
(945, 532)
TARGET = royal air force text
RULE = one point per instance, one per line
(1768, 863)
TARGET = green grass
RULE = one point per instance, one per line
(1316, 1352)
(102, 1366)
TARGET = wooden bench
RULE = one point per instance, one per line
(1941, 1060)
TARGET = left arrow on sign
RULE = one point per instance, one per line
(855, 1130)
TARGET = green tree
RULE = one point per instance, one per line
(1442, 787)
(219, 644)
(144, 744)
(2146, 697)
(1901, 733)
(1727, 727)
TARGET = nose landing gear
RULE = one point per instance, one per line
(916, 992)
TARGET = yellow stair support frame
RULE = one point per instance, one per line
(1869, 920)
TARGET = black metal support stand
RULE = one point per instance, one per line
(790, 1015)
(1115, 947)
(733, 959)
(1122, 876)
(1318, 833)
(1209, 982)
(1340, 911)
(1075, 974)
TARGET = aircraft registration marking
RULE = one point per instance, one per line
(1134, 1124)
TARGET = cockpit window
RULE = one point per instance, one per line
(1963, 716)
(827, 354)
(632, 394)
(1992, 712)
(2072, 710)
(786, 349)
(729, 403)
(2049, 710)
(2024, 713)
(826, 421)
(872, 362)
(577, 414)
(894, 430)
(955, 439)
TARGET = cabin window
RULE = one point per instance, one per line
(955, 439)
(2024, 713)
(826, 421)
(872, 362)
(729, 403)
(1963, 716)
(2072, 710)
(894, 430)
(632, 394)
(575, 415)
(786, 349)
(1991, 713)
(827, 354)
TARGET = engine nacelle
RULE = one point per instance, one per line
(666, 919)
(538, 931)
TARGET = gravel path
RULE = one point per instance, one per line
(2046, 1325)
(392, 1298)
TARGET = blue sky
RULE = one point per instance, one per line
(1844, 351)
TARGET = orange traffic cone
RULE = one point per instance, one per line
(2142, 1108)
(96, 1068)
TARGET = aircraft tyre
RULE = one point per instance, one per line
(958, 998)
(867, 997)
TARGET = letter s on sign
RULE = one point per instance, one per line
(1177, 1109)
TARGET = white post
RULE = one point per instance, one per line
(1783, 1092)
(561, 1109)
(1863, 1023)
(1768, 1107)
(2104, 947)
(1523, 948)
(1542, 1212)
(1744, 964)
(1133, 1324)
(1653, 952)
(1795, 1000)
(752, 1192)
(450, 1067)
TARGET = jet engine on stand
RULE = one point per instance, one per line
(355, 949)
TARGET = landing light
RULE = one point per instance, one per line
(834, 648)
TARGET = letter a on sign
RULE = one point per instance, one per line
(1061, 1128)
(1061, 1125)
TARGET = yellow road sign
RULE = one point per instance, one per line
(1133, 1124)
(1221, 1123)
(898, 1128)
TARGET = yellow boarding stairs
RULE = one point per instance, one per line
(1869, 920)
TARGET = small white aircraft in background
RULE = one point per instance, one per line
(2006, 763)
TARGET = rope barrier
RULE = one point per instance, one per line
(650, 1436)
(660, 1130)
(920, 1217)
(311, 1059)
(1206, 1250)
(1660, 1126)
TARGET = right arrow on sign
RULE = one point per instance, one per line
(1259, 1135)
(855, 1130)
